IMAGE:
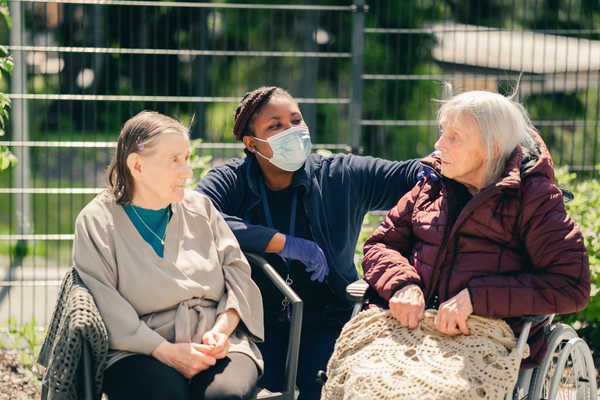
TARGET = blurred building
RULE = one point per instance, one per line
(478, 57)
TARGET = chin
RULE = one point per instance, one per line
(446, 173)
(178, 196)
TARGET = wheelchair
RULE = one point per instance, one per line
(70, 322)
(566, 372)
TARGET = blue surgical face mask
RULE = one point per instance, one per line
(290, 148)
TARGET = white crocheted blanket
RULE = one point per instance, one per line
(376, 358)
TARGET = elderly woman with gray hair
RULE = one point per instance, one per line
(485, 232)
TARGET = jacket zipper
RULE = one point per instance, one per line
(460, 219)
(451, 267)
(435, 263)
(444, 240)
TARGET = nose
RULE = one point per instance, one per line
(440, 143)
(187, 172)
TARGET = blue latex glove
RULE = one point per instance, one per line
(307, 252)
(427, 172)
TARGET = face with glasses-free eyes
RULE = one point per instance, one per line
(463, 153)
(279, 114)
(160, 173)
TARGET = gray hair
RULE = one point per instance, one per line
(503, 125)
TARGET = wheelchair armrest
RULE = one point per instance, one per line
(537, 318)
(291, 364)
(528, 320)
(356, 290)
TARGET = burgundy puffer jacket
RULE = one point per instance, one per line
(512, 245)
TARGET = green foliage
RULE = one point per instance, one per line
(370, 223)
(585, 210)
(7, 159)
(26, 337)
(200, 163)
(4, 12)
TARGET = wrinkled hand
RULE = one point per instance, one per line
(187, 358)
(407, 305)
(309, 253)
(452, 314)
(218, 342)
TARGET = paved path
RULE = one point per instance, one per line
(33, 291)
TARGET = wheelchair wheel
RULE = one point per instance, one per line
(567, 371)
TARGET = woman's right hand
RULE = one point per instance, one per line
(187, 358)
(407, 305)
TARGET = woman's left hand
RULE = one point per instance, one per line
(452, 314)
(218, 341)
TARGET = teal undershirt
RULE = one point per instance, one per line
(156, 220)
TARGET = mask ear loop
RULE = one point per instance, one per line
(255, 150)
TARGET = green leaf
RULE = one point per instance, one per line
(7, 159)
(4, 114)
(26, 360)
(5, 101)
(12, 325)
(29, 333)
(7, 64)
(6, 14)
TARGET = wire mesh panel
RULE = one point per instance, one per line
(413, 46)
(366, 73)
(84, 67)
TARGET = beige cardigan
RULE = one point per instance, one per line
(144, 299)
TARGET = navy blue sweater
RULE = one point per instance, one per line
(339, 191)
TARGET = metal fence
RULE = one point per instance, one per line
(365, 73)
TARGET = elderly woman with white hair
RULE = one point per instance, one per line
(485, 232)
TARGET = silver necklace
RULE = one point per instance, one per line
(162, 241)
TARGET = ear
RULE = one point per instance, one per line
(497, 150)
(249, 143)
(134, 163)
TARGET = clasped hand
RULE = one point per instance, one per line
(191, 358)
(407, 306)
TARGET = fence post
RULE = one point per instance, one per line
(358, 47)
(20, 132)
(20, 122)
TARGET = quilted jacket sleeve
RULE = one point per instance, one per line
(385, 263)
(558, 278)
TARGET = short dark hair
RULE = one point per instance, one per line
(135, 137)
(250, 106)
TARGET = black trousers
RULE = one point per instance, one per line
(320, 329)
(143, 377)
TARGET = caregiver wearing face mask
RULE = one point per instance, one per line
(304, 211)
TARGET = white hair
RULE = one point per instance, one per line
(503, 124)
